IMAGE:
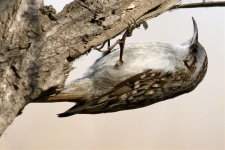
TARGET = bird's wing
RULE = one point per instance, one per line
(137, 91)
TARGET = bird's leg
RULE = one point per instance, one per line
(104, 51)
(121, 42)
(128, 33)
(109, 48)
(99, 48)
(120, 61)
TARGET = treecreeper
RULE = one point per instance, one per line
(143, 75)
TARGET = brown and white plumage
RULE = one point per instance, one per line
(150, 73)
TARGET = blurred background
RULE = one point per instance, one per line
(193, 121)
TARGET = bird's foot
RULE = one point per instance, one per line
(118, 64)
(144, 24)
(107, 51)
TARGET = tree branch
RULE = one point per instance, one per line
(135, 14)
(200, 4)
(111, 32)
(37, 45)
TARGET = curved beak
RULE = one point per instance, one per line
(195, 35)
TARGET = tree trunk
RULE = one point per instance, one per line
(37, 45)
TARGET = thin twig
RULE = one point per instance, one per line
(200, 4)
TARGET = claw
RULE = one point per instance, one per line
(101, 47)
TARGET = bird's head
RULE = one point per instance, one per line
(193, 57)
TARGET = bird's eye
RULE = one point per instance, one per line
(194, 50)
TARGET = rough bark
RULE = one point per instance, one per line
(37, 45)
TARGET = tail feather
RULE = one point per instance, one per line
(69, 112)
(65, 114)
(86, 108)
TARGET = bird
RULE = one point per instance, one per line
(149, 73)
